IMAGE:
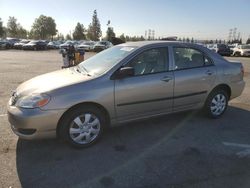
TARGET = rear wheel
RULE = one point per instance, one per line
(237, 54)
(216, 103)
(82, 126)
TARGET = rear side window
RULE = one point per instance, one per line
(186, 58)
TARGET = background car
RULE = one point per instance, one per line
(241, 50)
(68, 43)
(54, 45)
(87, 46)
(3, 44)
(12, 41)
(35, 45)
(19, 45)
(102, 45)
(222, 49)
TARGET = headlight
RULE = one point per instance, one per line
(33, 101)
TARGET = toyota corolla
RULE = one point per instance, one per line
(127, 82)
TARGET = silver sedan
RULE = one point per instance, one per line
(127, 82)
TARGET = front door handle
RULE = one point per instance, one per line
(166, 78)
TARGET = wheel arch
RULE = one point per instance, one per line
(225, 87)
(100, 107)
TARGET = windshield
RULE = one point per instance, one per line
(105, 60)
(222, 46)
(102, 43)
(245, 46)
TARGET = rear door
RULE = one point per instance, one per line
(194, 75)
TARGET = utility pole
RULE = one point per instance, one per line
(230, 35)
(238, 38)
(149, 34)
(234, 33)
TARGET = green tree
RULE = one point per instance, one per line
(248, 41)
(122, 37)
(192, 40)
(12, 27)
(188, 40)
(79, 32)
(94, 30)
(2, 31)
(44, 27)
(68, 37)
(21, 32)
(240, 41)
(110, 34)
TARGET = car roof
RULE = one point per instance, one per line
(146, 43)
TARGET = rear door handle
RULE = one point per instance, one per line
(166, 78)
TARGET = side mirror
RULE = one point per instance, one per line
(123, 73)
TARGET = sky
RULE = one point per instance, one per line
(201, 19)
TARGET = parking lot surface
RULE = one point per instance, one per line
(181, 150)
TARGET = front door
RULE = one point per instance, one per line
(149, 91)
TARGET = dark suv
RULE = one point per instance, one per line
(222, 49)
(35, 45)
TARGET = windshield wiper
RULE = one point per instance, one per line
(78, 69)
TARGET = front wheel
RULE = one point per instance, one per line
(82, 127)
(216, 103)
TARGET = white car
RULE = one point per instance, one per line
(87, 45)
(241, 50)
(102, 45)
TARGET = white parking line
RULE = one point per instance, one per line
(244, 153)
(236, 145)
(1, 115)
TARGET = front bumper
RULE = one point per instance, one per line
(34, 123)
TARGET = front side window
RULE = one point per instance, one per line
(189, 58)
(150, 61)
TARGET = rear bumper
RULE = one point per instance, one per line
(237, 89)
(247, 54)
(33, 123)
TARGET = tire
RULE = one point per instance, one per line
(237, 54)
(216, 103)
(82, 126)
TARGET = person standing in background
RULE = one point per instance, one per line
(71, 55)
(82, 53)
(65, 57)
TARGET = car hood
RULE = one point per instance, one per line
(99, 45)
(51, 81)
(83, 45)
